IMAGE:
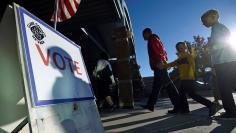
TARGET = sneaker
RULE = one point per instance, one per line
(216, 102)
(219, 107)
(150, 108)
(226, 116)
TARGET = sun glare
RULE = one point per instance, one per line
(232, 40)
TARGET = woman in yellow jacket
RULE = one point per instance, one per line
(186, 68)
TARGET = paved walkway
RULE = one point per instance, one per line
(142, 121)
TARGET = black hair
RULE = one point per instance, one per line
(179, 43)
(104, 56)
(210, 13)
(147, 30)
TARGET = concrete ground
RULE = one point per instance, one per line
(143, 121)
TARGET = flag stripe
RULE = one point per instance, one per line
(61, 14)
(73, 5)
(76, 3)
(66, 9)
(69, 7)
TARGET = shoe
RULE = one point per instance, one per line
(219, 107)
(173, 111)
(150, 108)
(216, 102)
(226, 116)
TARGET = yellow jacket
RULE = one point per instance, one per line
(186, 66)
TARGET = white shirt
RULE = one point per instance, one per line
(222, 51)
(101, 65)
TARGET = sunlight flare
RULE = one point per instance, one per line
(232, 40)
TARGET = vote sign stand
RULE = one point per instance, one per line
(53, 77)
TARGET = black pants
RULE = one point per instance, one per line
(226, 76)
(161, 78)
(188, 87)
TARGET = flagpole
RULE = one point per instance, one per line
(56, 14)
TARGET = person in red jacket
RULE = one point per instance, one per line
(157, 57)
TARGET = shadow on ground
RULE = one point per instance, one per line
(170, 123)
(123, 117)
(225, 126)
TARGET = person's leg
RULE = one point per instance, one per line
(111, 103)
(224, 73)
(155, 90)
(171, 90)
(216, 91)
(109, 100)
(101, 103)
(233, 77)
(184, 108)
(189, 87)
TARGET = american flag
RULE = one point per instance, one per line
(66, 9)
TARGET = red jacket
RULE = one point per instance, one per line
(156, 51)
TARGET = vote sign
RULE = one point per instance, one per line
(55, 67)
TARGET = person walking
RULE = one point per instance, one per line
(223, 59)
(157, 57)
(105, 82)
(186, 67)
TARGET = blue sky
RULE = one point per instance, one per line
(174, 21)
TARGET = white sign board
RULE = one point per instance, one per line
(41, 69)
(55, 66)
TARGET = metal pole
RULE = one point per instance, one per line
(20, 126)
(56, 14)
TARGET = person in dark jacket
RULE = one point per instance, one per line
(157, 57)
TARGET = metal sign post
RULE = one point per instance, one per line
(56, 13)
